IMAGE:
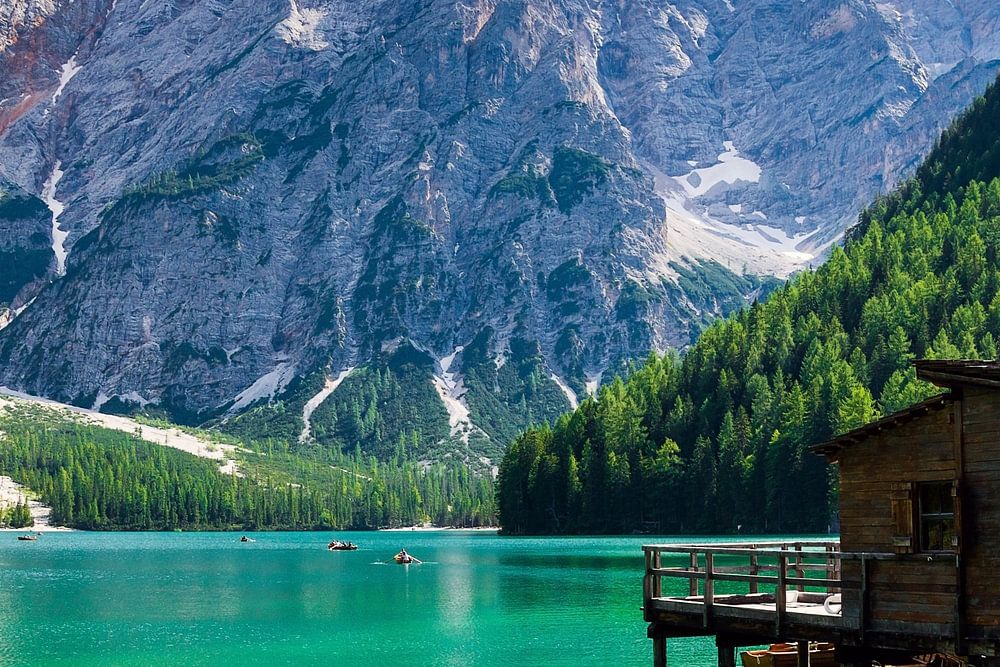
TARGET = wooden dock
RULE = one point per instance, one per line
(748, 594)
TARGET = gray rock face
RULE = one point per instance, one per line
(256, 190)
(25, 252)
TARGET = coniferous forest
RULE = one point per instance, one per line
(717, 440)
(95, 478)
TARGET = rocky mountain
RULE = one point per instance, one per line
(482, 206)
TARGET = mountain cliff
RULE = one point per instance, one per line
(483, 207)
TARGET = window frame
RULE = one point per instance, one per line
(920, 516)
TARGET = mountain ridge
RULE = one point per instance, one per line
(255, 193)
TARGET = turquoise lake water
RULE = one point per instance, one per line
(206, 599)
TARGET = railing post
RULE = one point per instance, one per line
(799, 571)
(657, 588)
(693, 583)
(647, 581)
(709, 590)
(829, 564)
(779, 596)
(754, 570)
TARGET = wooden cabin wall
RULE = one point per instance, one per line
(980, 539)
(910, 590)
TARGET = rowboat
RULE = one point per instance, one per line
(337, 545)
(406, 559)
(786, 655)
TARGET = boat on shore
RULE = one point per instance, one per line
(786, 655)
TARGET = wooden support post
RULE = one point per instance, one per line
(709, 590)
(659, 651)
(754, 570)
(803, 650)
(727, 656)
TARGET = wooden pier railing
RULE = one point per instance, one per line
(814, 570)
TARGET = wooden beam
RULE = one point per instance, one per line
(727, 656)
(948, 379)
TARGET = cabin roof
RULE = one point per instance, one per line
(949, 373)
(831, 448)
(959, 372)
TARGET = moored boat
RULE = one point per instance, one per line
(27, 538)
(786, 655)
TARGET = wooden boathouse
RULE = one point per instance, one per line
(917, 567)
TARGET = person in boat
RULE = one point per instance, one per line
(404, 557)
(244, 539)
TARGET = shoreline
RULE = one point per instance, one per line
(13, 493)
(434, 529)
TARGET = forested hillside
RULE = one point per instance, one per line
(717, 441)
(95, 478)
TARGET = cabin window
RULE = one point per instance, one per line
(936, 511)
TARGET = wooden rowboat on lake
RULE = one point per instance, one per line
(27, 538)
(403, 558)
(337, 545)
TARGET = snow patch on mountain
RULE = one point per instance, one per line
(329, 387)
(57, 208)
(451, 389)
(748, 247)
(731, 169)
(303, 28)
(9, 315)
(574, 403)
(69, 70)
(593, 383)
(267, 386)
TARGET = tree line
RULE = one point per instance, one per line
(94, 478)
(16, 516)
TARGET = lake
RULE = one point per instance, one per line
(205, 598)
